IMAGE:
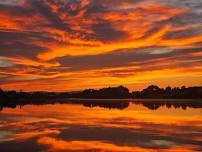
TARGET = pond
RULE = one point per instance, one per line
(102, 126)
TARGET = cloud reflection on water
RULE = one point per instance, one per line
(76, 128)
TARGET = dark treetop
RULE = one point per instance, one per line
(13, 98)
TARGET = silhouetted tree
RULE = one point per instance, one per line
(13, 98)
(3, 96)
(168, 89)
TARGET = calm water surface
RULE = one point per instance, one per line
(78, 128)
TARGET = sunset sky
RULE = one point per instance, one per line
(68, 45)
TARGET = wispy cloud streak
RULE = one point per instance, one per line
(85, 41)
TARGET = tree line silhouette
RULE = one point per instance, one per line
(14, 98)
(154, 91)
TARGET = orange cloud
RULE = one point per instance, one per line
(35, 35)
(32, 134)
(60, 145)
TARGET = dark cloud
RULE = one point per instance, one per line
(18, 49)
(105, 32)
(195, 31)
(71, 7)
(16, 10)
(96, 6)
(46, 12)
(17, 43)
(15, 35)
(77, 31)
(187, 19)
(194, 6)
(139, 57)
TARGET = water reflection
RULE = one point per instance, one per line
(79, 127)
(121, 104)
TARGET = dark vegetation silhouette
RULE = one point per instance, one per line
(154, 91)
(105, 93)
(89, 97)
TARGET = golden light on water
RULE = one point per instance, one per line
(77, 128)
